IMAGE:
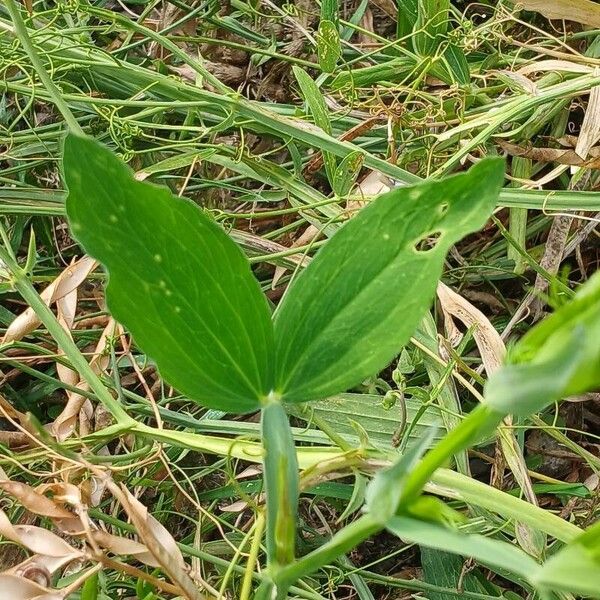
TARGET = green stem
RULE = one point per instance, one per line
(281, 484)
(342, 542)
(246, 590)
(53, 91)
(22, 284)
(476, 426)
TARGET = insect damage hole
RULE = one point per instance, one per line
(427, 242)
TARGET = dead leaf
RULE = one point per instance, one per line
(66, 306)
(488, 340)
(124, 547)
(558, 155)
(39, 568)
(70, 279)
(64, 425)
(554, 65)
(492, 350)
(251, 471)
(10, 411)
(590, 128)
(19, 588)
(37, 539)
(580, 11)
(33, 501)
(158, 540)
(522, 82)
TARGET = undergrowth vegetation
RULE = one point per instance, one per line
(299, 300)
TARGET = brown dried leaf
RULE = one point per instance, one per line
(63, 493)
(19, 588)
(9, 410)
(590, 128)
(555, 65)
(158, 540)
(152, 530)
(64, 425)
(492, 350)
(66, 307)
(70, 279)
(124, 547)
(488, 340)
(37, 539)
(33, 501)
(580, 11)
(558, 155)
(40, 568)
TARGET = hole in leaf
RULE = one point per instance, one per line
(443, 209)
(428, 242)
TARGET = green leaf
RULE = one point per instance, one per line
(89, 591)
(490, 552)
(177, 282)
(385, 490)
(329, 10)
(357, 499)
(314, 98)
(281, 484)
(316, 104)
(574, 569)
(392, 71)
(183, 159)
(455, 61)
(329, 48)
(347, 172)
(557, 358)
(432, 24)
(379, 422)
(359, 300)
(408, 13)
(445, 570)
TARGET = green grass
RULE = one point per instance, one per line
(422, 98)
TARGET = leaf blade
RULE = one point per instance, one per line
(490, 552)
(180, 285)
(363, 295)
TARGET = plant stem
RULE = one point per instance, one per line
(53, 91)
(342, 542)
(253, 556)
(476, 426)
(281, 485)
